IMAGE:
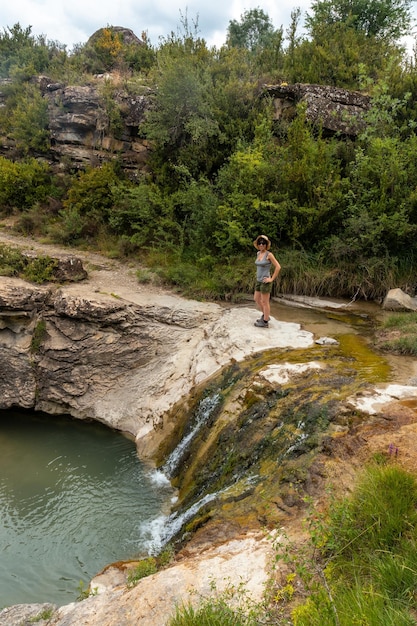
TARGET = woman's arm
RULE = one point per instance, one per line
(277, 268)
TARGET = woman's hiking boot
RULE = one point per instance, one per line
(261, 323)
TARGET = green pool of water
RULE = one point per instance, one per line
(73, 498)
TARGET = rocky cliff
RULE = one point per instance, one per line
(117, 355)
(80, 126)
(82, 129)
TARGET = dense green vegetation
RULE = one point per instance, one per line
(358, 567)
(341, 212)
(365, 554)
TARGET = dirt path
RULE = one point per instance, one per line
(105, 275)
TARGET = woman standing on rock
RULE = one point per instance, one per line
(264, 261)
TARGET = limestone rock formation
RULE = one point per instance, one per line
(336, 110)
(80, 127)
(152, 601)
(125, 363)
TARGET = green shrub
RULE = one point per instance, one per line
(144, 276)
(40, 269)
(146, 567)
(12, 262)
(90, 193)
(22, 184)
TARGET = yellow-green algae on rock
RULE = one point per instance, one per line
(257, 452)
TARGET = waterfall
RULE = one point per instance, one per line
(157, 533)
(203, 412)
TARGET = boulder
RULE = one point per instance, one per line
(126, 35)
(398, 300)
(68, 268)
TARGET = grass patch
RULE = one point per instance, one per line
(150, 565)
(398, 334)
(144, 568)
(232, 607)
(214, 612)
(43, 615)
(38, 336)
(362, 564)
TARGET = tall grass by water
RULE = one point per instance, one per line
(399, 334)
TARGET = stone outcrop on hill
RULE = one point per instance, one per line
(336, 110)
(81, 129)
(126, 35)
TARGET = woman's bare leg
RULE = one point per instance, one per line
(265, 305)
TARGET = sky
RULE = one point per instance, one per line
(74, 21)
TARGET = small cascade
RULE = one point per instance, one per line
(204, 411)
(156, 534)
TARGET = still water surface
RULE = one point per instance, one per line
(73, 498)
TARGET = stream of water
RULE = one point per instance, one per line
(73, 497)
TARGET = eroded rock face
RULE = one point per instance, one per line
(336, 110)
(92, 355)
(80, 127)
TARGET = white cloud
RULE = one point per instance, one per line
(73, 21)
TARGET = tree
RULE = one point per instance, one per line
(91, 192)
(19, 49)
(349, 38)
(386, 20)
(254, 30)
(29, 120)
(181, 123)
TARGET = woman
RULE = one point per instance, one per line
(264, 261)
